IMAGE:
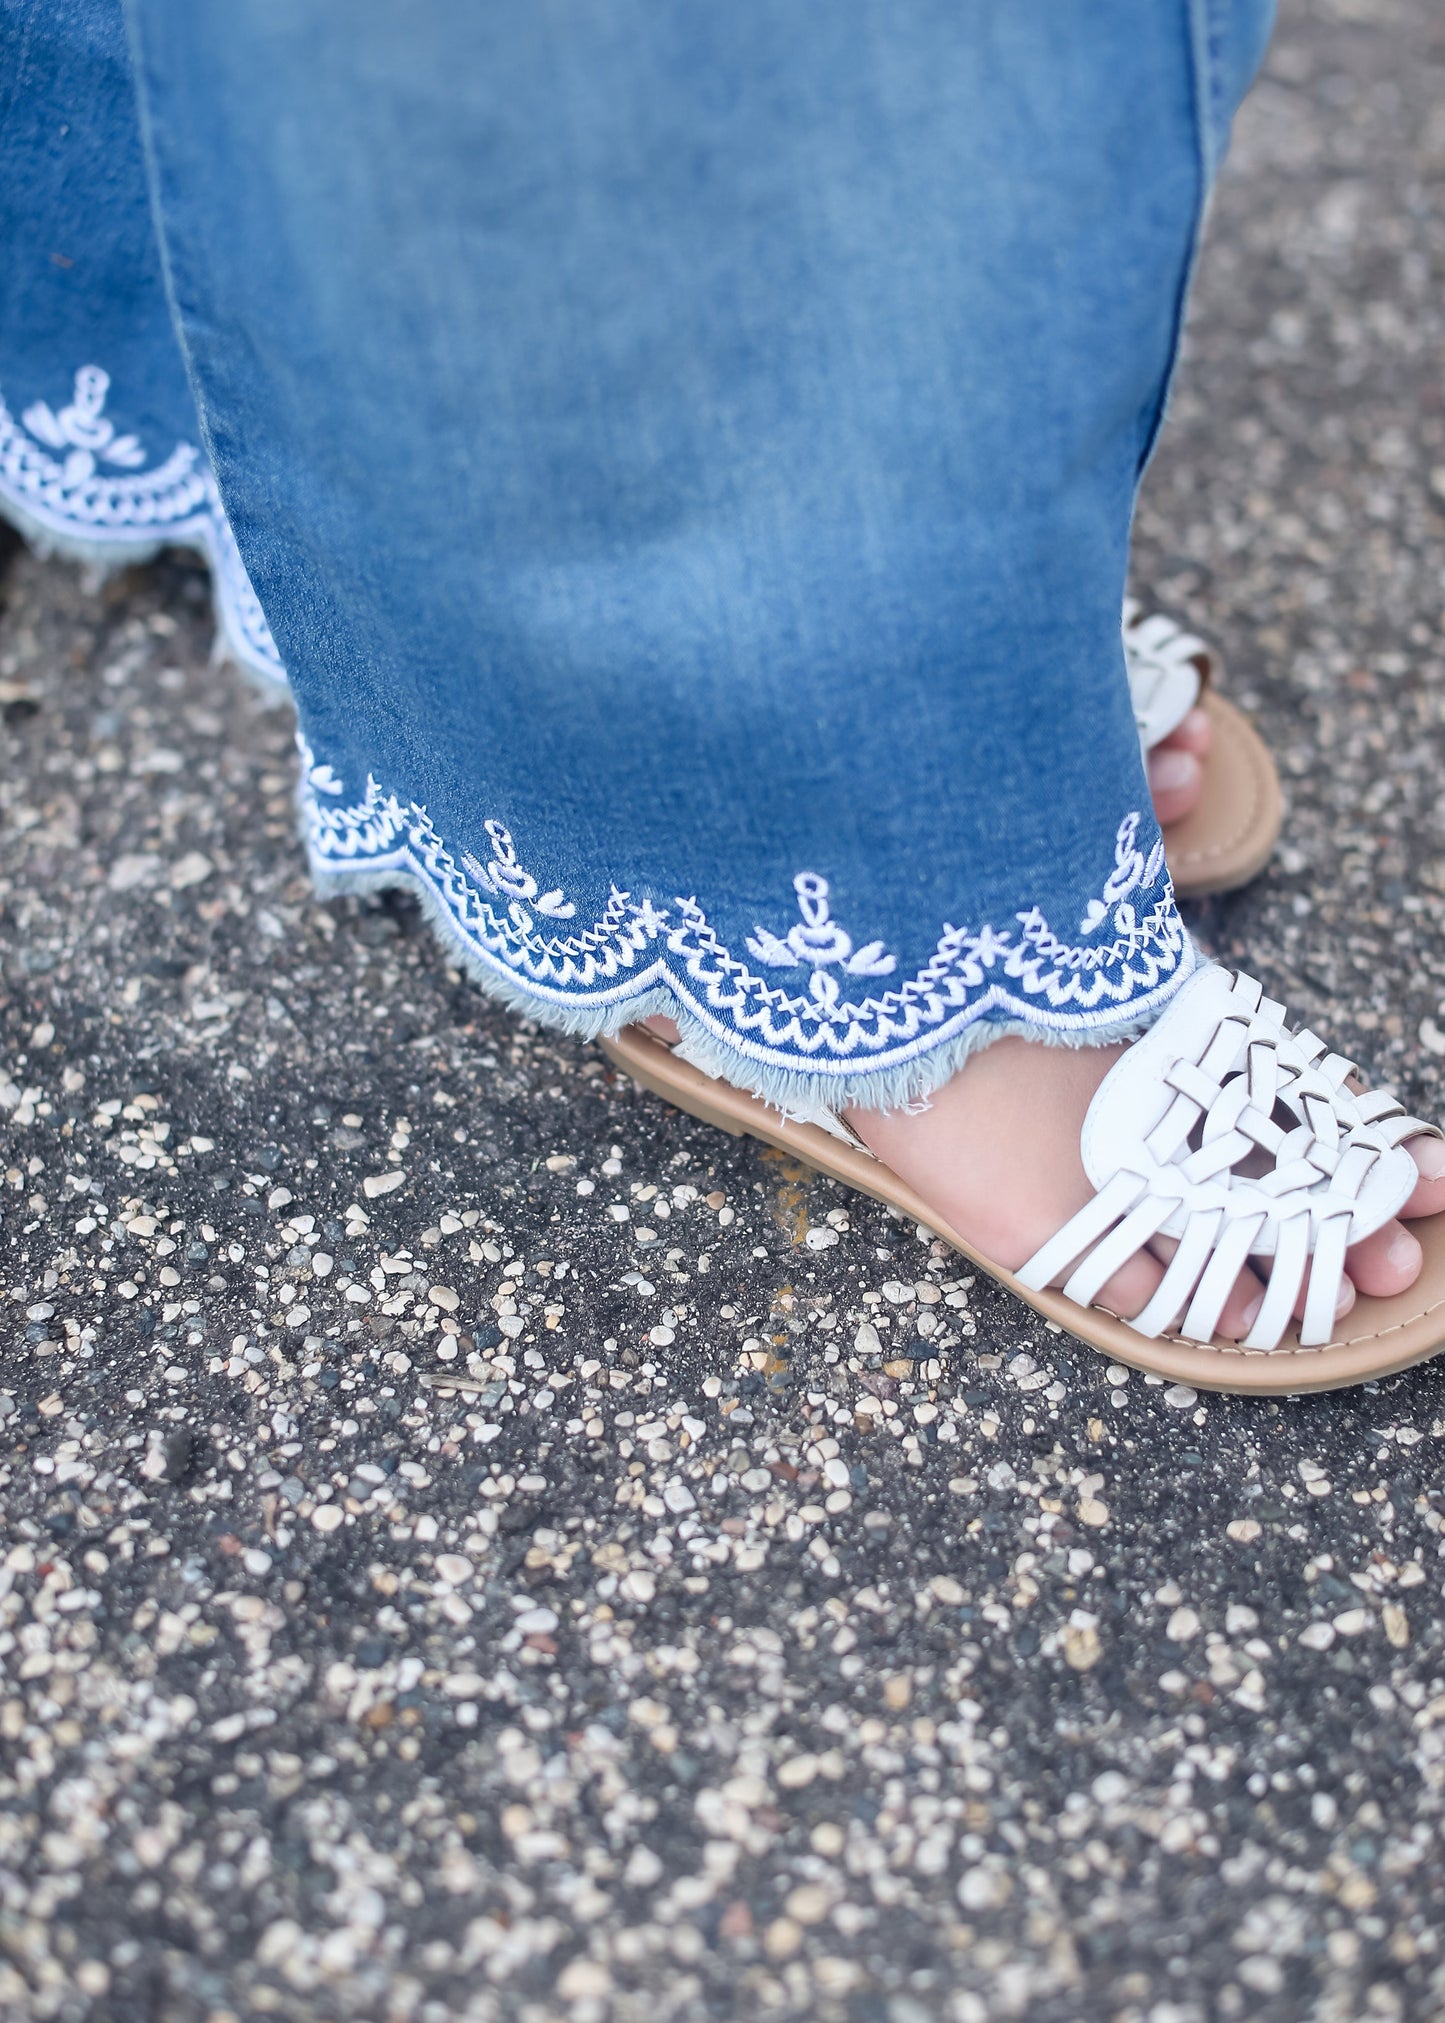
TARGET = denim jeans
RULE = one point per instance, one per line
(684, 456)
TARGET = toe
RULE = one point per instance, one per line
(1193, 735)
(1429, 1196)
(1175, 779)
(1386, 1263)
(1241, 1309)
(1132, 1287)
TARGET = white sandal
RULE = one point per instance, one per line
(1219, 1129)
(1236, 823)
(1168, 671)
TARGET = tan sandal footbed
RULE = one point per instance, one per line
(1378, 1336)
(1235, 825)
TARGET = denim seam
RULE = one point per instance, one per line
(1203, 69)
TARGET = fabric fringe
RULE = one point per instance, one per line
(910, 1084)
(98, 561)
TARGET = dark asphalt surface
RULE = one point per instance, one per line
(781, 1621)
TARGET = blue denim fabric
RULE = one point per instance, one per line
(686, 457)
(100, 456)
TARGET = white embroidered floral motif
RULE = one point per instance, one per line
(505, 876)
(70, 501)
(819, 940)
(71, 495)
(1131, 870)
(1025, 972)
(83, 429)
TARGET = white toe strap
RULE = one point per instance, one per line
(1079, 1234)
(1327, 1275)
(1224, 1267)
(1166, 670)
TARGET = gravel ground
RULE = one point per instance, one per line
(476, 1546)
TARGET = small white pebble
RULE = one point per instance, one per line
(1109, 1787)
(535, 1622)
(192, 869)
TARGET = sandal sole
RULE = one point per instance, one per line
(1383, 1335)
(1229, 837)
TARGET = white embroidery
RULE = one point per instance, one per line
(1025, 971)
(175, 503)
(82, 426)
(504, 875)
(818, 939)
(72, 495)
(1131, 870)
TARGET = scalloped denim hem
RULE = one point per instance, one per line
(53, 493)
(912, 1082)
(793, 1043)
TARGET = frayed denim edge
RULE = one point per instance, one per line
(100, 560)
(910, 1082)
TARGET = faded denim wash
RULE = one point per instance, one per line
(685, 458)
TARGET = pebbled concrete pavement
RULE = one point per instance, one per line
(476, 1546)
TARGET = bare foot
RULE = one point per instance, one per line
(1175, 769)
(997, 1153)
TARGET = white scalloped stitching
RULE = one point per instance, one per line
(1026, 972)
(52, 470)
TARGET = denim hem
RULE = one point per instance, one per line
(643, 956)
(894, 1088)
(55, 491)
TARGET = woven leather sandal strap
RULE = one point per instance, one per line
(1260, 1153)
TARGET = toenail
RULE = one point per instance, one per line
(1404, 1252)
(1251, 1313)
(1169, 772)
(1429, 1156)
(1343, 1296)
